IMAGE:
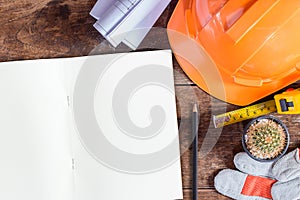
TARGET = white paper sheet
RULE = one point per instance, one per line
(96, 180)
(36, 160)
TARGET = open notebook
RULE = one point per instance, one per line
(50, 149)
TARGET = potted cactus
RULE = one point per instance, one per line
(265, 138)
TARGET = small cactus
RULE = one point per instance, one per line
(265, 139)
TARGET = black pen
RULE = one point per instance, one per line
(195, 118)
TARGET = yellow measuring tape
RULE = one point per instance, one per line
(244, 113)
(286, 103)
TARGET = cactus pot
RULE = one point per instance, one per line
(265, 139)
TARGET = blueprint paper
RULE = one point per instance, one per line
(135, 37)
(118, 23)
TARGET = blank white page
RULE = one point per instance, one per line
(36, 160)
(110, 177)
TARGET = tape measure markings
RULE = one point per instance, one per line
(244, 113)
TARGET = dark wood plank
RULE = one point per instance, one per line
(204, 194)
(52, 28)
(46, 29)
(217, 146)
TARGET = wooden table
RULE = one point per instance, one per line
(63, 28)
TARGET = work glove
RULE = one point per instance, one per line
(278, 180)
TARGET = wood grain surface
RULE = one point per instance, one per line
(63, 28)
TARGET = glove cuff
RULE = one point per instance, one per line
(258, 186)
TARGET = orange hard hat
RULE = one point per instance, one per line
(252, 45)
